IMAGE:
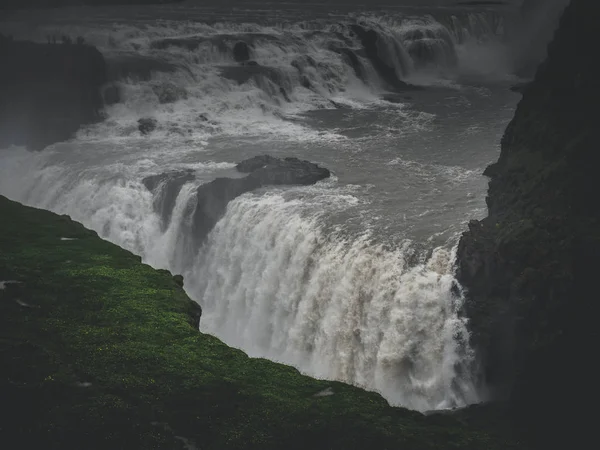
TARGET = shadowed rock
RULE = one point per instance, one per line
(255, 163)
(369, 40)
(213, 197)
(147, 125)
(241, 52)
(530, 267)
(166, 188)
(353, 61)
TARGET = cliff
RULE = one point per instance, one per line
(47, 91)
(100, 351)
(528, 268)
(539, 20)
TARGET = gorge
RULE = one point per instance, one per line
(359, 274)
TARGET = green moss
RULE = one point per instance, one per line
(99, 351)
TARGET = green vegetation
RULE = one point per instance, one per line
(98, 350)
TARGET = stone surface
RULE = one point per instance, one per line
(529, 266)
(147, 125)
(265, 170)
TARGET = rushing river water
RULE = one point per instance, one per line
(349, 279)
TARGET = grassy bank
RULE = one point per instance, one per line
(98, 350)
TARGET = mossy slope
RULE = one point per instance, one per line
(98, 350)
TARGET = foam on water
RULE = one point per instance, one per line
(276, 279)
(275, 284)
(183, 73)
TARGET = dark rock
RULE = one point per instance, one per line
(289, 171)
(255, 163)
(166, 188)
(178, 279)
(369, 39)
(529, 267)
(147, 125)
(540, 19)
(285, 95)
(429, 52)
(305, 82)
(213, 197)
(353, 61)
(520, 87)
(250, 63)
(48, 91)
(241, 52)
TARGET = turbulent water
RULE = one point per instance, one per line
(350, 279)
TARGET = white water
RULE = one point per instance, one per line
(277, 281)
(349, 279)
(277, 285)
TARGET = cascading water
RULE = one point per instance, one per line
(185, 73)
(276, 284)
(350, 279)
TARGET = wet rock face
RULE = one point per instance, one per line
(212, 198)
(369, 39)
(241, 52)
(265, 170)
(47, 91)
(166, 188)
(147, 125)
(527, 266)
(255, 163)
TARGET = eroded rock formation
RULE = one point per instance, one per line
(529, 267)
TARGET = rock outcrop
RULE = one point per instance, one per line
(529, 267)
(539, 20)
(213, 197)
(370, 41)
(47, 91)
(166, 188)
(147, 125)
(241, 52)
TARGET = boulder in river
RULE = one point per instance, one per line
(241, 52)
(147, 125)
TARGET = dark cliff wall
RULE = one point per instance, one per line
(530, 266)
(539, 20)
(47, 91)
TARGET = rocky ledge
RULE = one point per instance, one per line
(529, 267)
(212, 198)
(47, 91)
